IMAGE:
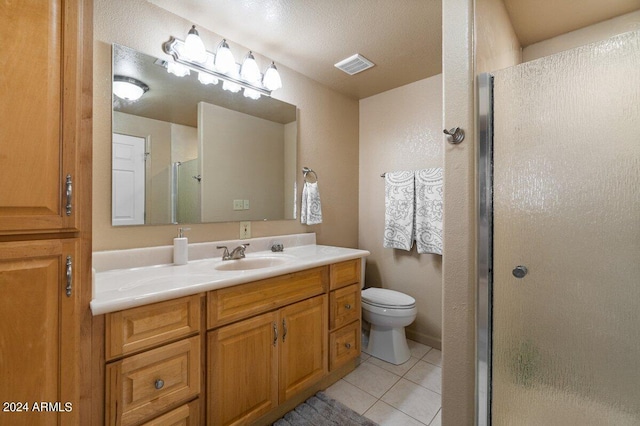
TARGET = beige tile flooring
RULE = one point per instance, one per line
(405, 395)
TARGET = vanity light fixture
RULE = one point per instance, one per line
(128, 88)
(222, 66)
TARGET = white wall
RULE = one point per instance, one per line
(401, 130)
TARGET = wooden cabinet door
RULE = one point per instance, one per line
(303, 351)
(242, 370)
(40, 107)
(39, 332)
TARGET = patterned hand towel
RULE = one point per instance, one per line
(429, 211)
(398, 212)
(310, 210)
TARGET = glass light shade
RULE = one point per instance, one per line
(250, 71)
(271, 80)
(231, 86)
(177, 69)
(250, 93)
(224, 62)
(194, 47)
(205, 78)
(128, 88)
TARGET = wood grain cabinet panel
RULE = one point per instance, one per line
(242, 370)
(141, 328)
(41, 115)
(241, 301)
(303, 351)
(258, 363)
(38, 329)
(185, 415)
(344, 273)
(344, 345)
(344, 306)
(141, 386)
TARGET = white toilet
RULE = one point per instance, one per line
(388, 312)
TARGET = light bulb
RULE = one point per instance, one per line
(271, 80)
(194, 47)
(250, 71)
(224, 62)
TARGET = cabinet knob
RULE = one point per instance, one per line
(347, 345)
(347, 306)
(159, 384)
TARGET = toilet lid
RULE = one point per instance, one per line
(385, 298)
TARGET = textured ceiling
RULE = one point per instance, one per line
(402, 37)
(538, 20)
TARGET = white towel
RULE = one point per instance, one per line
(310, 210)
(429, 211)
(399, 207)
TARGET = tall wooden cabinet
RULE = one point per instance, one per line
(45, 211)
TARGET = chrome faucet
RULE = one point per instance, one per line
(236, 253)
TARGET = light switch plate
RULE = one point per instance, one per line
(238, 204)
(246, 204)
(245, 230)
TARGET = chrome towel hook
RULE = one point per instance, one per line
(306, 171)
(455, 135)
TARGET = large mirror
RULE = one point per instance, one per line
(185, 152)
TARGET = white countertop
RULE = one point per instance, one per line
(119, 289)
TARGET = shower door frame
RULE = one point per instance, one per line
(484, 295)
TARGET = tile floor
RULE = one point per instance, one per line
(405, 395)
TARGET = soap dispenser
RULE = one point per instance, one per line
(181, 248)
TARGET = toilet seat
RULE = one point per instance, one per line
(385, 298)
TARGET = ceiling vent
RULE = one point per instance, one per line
(354, 64)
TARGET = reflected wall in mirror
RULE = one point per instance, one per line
(185, 152)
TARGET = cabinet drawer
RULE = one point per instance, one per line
(245, 300)
(142, 385)
(344, 306)
(185, 415)
(344, 345)
(344, 273)
(135, 329)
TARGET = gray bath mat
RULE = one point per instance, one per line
(320, 410)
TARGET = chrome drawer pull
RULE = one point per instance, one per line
(69, 276)
(69, 186)
(159, 384)
(275, 334)
(347, 345)
(347, 306)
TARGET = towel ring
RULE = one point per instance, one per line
(305, 173)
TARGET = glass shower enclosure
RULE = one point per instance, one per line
(559, 260)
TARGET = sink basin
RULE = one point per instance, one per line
(252, 263)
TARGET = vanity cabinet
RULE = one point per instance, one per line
(344, 313)
(155, 356)
(243, 354)
(257, 363)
